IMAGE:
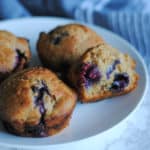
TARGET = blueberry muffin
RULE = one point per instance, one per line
(103, 72)
(34, 102)
(63, 46)
(14, 54)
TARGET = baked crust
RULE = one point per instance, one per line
(103, 56)
(25, 113)
(64, 45)
(14, 54)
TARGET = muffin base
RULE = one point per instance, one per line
(47, 132)
(84, 98)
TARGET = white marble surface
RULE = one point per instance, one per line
(132, 134)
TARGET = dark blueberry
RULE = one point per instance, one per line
(112, 68)
(93, 73)
(40, 91)
(120, 82)
(56, 40)
(42, 88)
(37, 130)
(89, 74)
(45, 88)
(21, 55)
(21, 60)
(27, 40)
(35, 89)
(122, 77)
(41, 108)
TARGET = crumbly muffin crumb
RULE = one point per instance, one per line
(107, 72)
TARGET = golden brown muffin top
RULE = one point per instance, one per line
(18, 93)
(65, 44)
(9, 47)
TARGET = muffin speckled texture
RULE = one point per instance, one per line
(34, 102)
(64, 45)
(103, 72)
(14, 54)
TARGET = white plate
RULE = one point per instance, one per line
(88, 120)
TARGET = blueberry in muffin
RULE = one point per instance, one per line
(64, 45)
(14, 54)
(34, 102)
(103, 72)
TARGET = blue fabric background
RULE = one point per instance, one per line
(128, 18)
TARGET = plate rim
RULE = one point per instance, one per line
(107, 130)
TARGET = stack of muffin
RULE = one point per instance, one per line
(34, 101)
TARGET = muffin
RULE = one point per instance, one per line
(34, 102)
(103, 72)
(64, 45)
(14, 54)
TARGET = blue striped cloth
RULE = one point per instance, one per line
(128, 18)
